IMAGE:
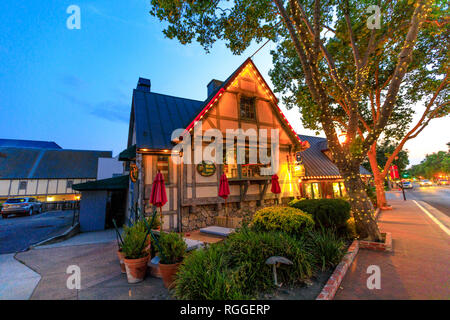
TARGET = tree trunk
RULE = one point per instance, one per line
(361, 206)
(377, 177)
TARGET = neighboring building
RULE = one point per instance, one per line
(45, 171)
(109, 168)
(321, 177)
(243, 101)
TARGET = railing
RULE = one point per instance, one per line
(60, 206)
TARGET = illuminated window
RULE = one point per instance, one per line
(247, 108)
(162, 165)
(248, 169)
(339, 190)
(313, 191)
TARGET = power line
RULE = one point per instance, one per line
(259, 48)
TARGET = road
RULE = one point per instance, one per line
(18, 233)
(436, 196)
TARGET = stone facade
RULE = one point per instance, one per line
(207, 215)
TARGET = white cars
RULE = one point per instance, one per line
(23, 206)
(425, 183)
(407, 185)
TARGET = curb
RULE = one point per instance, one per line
(69, 233)
(330, 288)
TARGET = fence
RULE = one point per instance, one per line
(60, 206)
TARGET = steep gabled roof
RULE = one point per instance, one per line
(317, 164)
(29, 144)
(19, 163)
(156, 116)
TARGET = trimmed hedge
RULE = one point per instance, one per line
(327, 213)
(286, 219)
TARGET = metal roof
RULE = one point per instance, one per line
(115, 183)
(317, 164)
(23, 163)
(29, 144)
(158, 115)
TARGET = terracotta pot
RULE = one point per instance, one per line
(121, 257)
(168, 272)
(136, 269)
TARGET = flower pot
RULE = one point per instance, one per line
(168, 272)
(136, 269)
(121, 257)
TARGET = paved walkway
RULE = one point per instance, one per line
(99, 274)
(417, 268)
(16, 280)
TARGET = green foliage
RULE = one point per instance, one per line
(173, 247)
(134, 241)
(294, 201)
(434, 164)
(328, 213)
(351, 229)
(287, 219)
(328, 248)
(205, 275)
(383, 150)
(236, 268)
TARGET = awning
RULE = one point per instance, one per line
(116, 183)
(128, 154)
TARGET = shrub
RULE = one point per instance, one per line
(248, 251)
(327, 247)
(350, 229)
(205, 275)
(294, 201)
(286, 219)
(236, 268)
(327, 213)
(134, 241)
(173, 247)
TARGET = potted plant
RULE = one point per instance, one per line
(173, 250)
(120, 253)
(136, 257)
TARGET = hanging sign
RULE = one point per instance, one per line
(206, 168)
(393, 172)
(134, 172)
(299, 170)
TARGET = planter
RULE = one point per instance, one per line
(121, 257)
(168, 272)
(386, 245)
(136, 269)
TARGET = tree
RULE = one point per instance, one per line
(384, 150)
(326, 76)
(434, 165)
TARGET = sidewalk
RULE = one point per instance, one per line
(17, 281)
(418, 266)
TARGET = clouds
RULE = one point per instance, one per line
(114, 110)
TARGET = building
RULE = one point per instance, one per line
(44, 170)
(320, 177)
(243, 101)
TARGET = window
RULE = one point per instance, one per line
(23, 185)
(339, 190)
(312, 190)
(246, 169)
(162, 165)
(247, 108)
(69, 184)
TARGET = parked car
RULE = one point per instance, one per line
(425, 183)
(23, 206)
(442, 182)
(407, 185)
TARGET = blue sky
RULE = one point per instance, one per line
(74, 87)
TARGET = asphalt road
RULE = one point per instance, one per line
(18, 233)
(436, 196)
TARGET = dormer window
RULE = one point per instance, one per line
(248, 108)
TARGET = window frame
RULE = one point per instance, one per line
(243, 113)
